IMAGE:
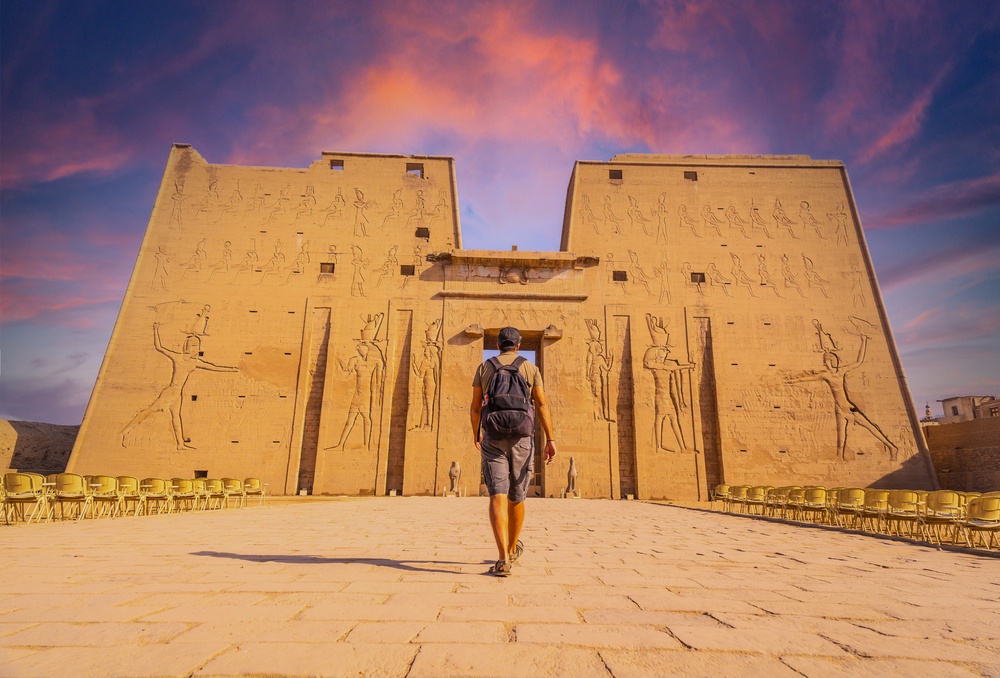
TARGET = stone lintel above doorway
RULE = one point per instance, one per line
(503, 259)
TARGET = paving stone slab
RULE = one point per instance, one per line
(120, 662)
(821, 667)
(645, 663)
(337, 660)
(506, 661)
(102, 634)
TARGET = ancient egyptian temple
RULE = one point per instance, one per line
(706, 319)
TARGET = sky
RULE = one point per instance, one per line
(92, 95)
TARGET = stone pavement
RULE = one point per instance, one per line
(397, 587)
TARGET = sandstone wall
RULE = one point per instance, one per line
(707, 319)
(35, 447)
(967, 454)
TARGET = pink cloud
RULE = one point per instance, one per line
(947, 201)
(906, 126)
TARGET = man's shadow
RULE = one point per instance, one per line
(319, 560)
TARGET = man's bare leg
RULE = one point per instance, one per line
(515, 519)
(499, 522)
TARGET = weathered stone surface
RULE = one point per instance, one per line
(318, 328)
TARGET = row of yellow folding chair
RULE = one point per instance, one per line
(937, 516)
(31, 497)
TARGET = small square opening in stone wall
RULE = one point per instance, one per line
(415, 169)
(697, 277)
(691, 176)
(337, 164)
(424, 233)
(326, 268)
(201, 474)
(619, 276)
(615, 175)
(405, 269)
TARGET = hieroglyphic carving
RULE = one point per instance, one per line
(740, 276)
(196, 261)
(757, 222)
(611, 220)
(454, 476)
(689, 279)
(306, 205)
(280, 205)
(710, 221)
(177, 206)
(256, 204)
(439, 211)
(368, 370)
(390, 267)
(222, 265)
(736, 221)
(790, 279)
(335, 210)
(395, 210)
(813, 278)
(302, 258)
(684, 219)
(663, 273)
(183, 363)
(857, 284)
(360, 263)
(668, 384)
(210, 200)
(765, 275)
(716, 279)
(587, 214)
(599, 365)
(419, 207)
(233, 204)
(841, 217)
(781, 219)
(809, 221)
(636, 274)
(160, 272)
(428, 372)
(636, 216)
(274, 264)
(660, 214)
(834, 375)
(249, 261)
(361, 207)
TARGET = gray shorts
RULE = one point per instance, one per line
(508, 464)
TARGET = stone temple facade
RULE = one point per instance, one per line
(706, 319)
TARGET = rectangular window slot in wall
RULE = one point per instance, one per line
(697, 277)
(777, 407)
(201, 474)
(201, 354)
(739, 407)
(242, 396)
(424, 233)
(724, 245)
(281, 396)
(253, 311)
(247, 353)
(276, 442)
(691, 176)
(772, 364)
(730, 322)
(258, 270)
(326, 268)
(264, 232)
(744, 450)
(734, 364)
(336, 164)
(767, 324)
(407, 269)
(415, 169)
(291, 313)
(288, 353)
(615, 175)
(193, 398)
(759, 246)
(619, 276)
(782, 451)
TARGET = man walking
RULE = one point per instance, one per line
(503, 431)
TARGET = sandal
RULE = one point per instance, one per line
(502, 568)
(518, 550)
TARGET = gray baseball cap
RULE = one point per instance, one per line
(509, 338)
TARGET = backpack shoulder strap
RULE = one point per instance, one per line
(495, 362)
(518, 361)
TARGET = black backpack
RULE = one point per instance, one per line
(508, 412)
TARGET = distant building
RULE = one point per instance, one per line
(967, 408)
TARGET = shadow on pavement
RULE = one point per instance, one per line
(319, 560)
